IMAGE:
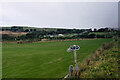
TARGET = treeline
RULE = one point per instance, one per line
(17, 29)
(36, 35)
(43, 30)
(53, 31)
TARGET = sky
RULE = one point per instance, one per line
(119, 14)
(60, 14)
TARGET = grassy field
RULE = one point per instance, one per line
(100, 33)
(44, 59)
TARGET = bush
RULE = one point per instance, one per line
(104, 65)
(7, 37)
(100, 36)
(91, 36)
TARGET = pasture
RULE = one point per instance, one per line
(100, 33)
(43, 59)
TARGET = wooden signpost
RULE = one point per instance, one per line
(74, 48)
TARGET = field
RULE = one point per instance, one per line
(44, 59)
(100, 33)
(13, 33)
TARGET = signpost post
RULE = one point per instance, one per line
(74, 48)
(75, 57)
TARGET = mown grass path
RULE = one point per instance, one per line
(44, 60)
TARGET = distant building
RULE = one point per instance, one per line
(51, 35)
(44, 36)
(60, 35)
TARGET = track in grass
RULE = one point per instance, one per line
(44, 59)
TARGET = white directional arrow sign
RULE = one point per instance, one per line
(72, 48)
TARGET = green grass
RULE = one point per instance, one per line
(100, 33)
(44, 59)
(105, 65)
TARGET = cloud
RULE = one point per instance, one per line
(59, 0)
(61, 14)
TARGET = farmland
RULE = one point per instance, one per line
(43, 59)
(98, 33)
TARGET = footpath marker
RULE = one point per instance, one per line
(74, 48)
(71, 70)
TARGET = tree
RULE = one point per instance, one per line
(90, 30)
(95, 30)
(101, 30)
(7, 37)
(17, 28)
(34, 30)
(27, 30)
(31, 30)
(2, 29)
(91, 36)
(100, 36)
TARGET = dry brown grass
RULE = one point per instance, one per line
(13, 33)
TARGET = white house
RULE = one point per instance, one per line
(60, 35)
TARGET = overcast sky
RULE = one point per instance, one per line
(60, 14)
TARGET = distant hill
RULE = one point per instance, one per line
(29, 28)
